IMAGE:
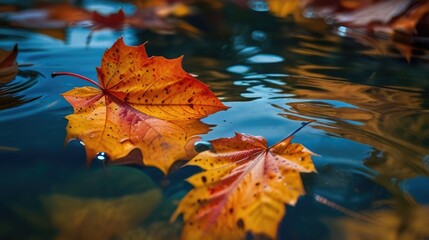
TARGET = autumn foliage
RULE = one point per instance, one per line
(8, 65)
(151, 104)
(244, 187)
(159, 16)
(404, 17)
(145, 103)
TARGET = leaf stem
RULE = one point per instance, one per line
(303, 124)
(55, 74)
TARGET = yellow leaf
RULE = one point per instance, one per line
(146, 103)
(244, 187)
(281, 8)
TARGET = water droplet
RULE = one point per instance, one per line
(102, 156)
(201, 146)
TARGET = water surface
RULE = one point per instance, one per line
(371, 108)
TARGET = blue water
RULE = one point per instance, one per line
(372, 129)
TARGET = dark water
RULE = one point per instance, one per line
(372, 129)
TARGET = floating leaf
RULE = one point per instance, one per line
(408, 22)
(150, 104)
(50, 17)
(113, 21)
(382, 12)
(8, 66)
(244, 187)
(283, 8)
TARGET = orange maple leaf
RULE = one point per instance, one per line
(281, 8)
(382, 12)
(49, 17)
(113, 21)
(8, 66)
(408, 22)
(150, 104)
(244, 187)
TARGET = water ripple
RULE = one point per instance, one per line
(14, 93)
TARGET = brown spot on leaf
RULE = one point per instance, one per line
(240, 223)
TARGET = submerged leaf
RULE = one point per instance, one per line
(150, 104)
(244, 187)
(102, 204)
(96, 218)
(389, 224)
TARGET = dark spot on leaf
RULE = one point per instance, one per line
(240, 223)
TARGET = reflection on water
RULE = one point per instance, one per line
(102, 204)
(393, 121)
(404, 220)
(371, 107)
(13, 94)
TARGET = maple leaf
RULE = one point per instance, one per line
(101, 204)
(113, 21)
(99, 218)
(49, 17)
(382, 12)
(8, 66)
(244, 187)
(150, 104)
(408, 22)
(162, 16)
(283, 8)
